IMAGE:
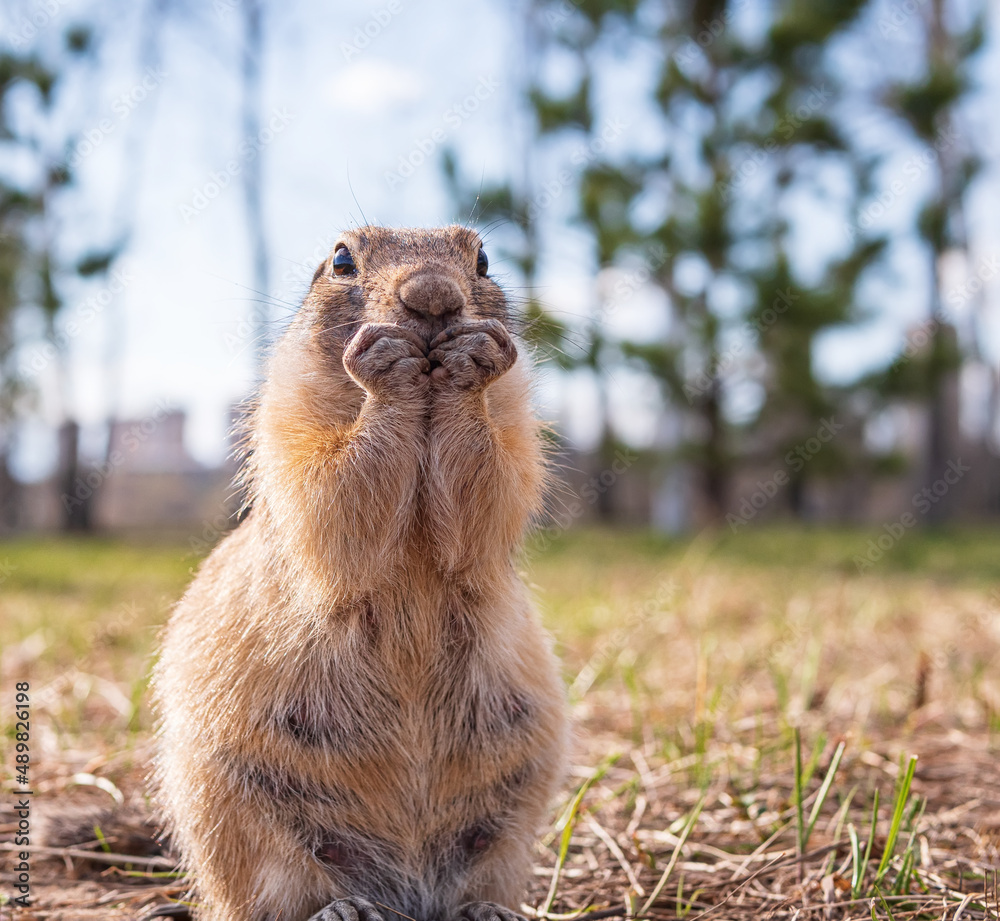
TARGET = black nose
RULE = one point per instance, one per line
(431, 295)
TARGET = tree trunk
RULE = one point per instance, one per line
(252, 183)
(75, 494)
(715, 473)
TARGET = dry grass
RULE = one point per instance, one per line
(697, 663)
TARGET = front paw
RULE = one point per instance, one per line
(487, 911)
(388, 360)
(350, 909)
(471, 355)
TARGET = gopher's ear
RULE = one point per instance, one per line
(320, 271)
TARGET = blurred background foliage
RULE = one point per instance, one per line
(747, 124)
(735, 199)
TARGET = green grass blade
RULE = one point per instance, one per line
(844, 810)
(823, 792)
(862, 868)
(686, 910)
(685, 832)
(817, 753)
(902, 884)
(902, 795)
(800, 821)
(99, 835)
(856, 864)
(568, 821)
(906, 873)
(885, 904)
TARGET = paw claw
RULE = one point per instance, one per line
(350, 909)
(473, 353)
(487, 911)
(384, 358)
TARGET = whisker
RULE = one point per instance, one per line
(475, 204)
(355, 197)
(268, 297)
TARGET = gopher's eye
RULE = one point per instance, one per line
(343, 262)
(482, 263)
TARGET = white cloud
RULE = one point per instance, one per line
(372, 86)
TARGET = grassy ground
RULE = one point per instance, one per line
(716, 683)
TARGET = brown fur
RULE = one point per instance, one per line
(355, 695)
(125, 829)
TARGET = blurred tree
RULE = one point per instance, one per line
(250, 177)
(21, 205)
(62, 134)
(506, 210)
(99, 262)
(929, 103)
(513, 214)
(34, 177)
(743, 105)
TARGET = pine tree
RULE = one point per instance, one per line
(929, 105)
(748, 123)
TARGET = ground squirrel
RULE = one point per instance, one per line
(359, 712)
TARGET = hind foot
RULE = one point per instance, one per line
(487, 911)
(352, 909)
